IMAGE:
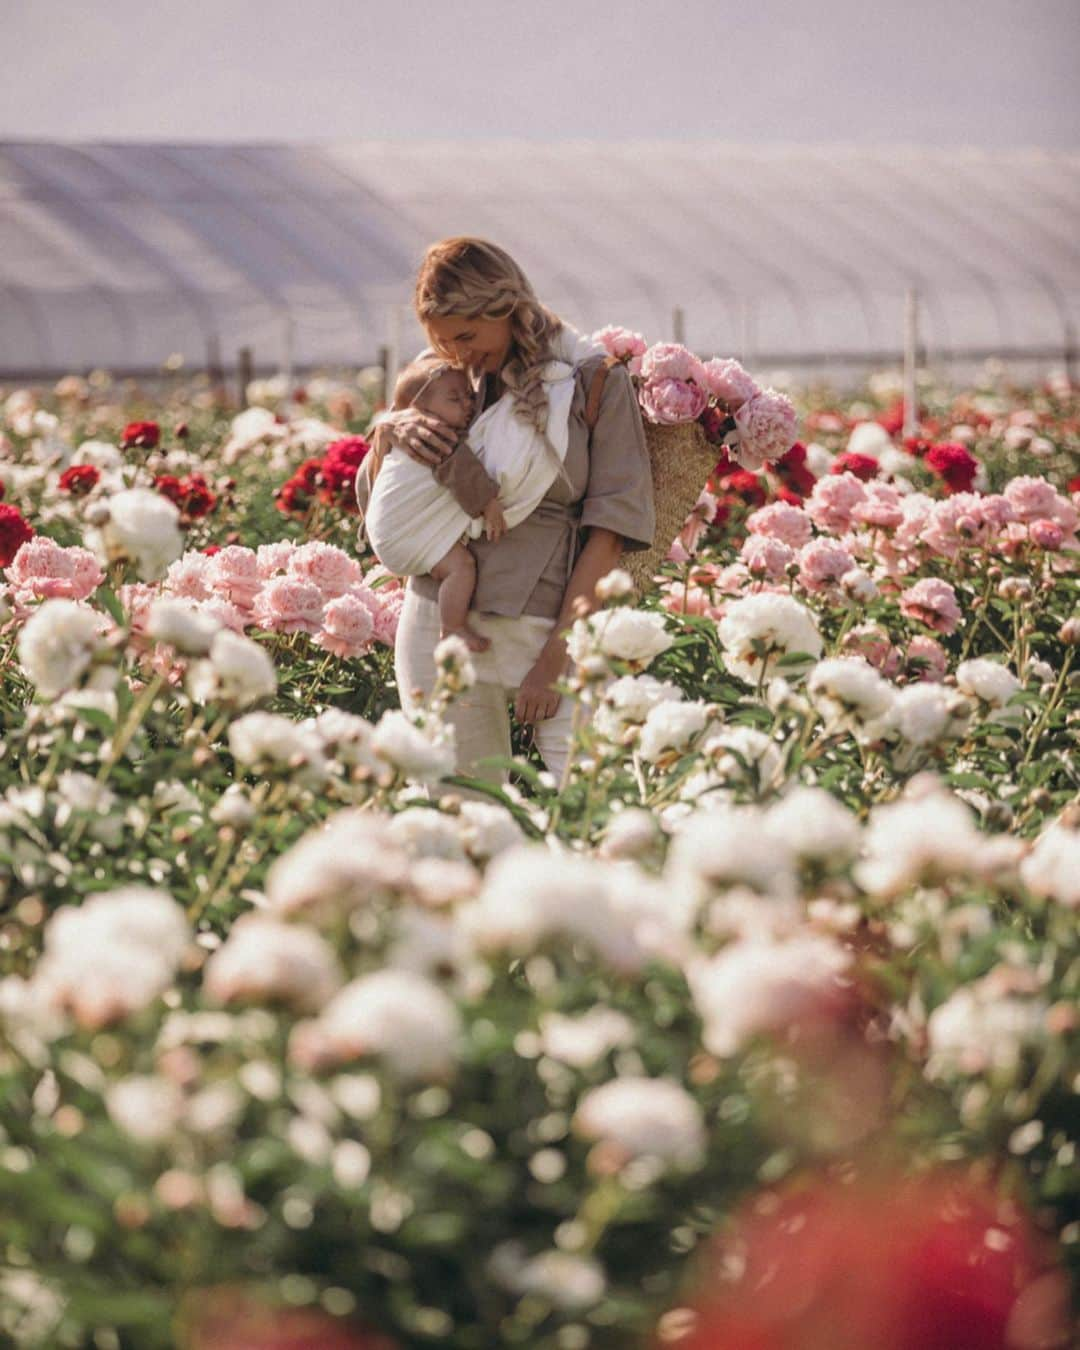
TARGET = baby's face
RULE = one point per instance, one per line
(450, 397)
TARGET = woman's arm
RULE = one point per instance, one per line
(536, 699)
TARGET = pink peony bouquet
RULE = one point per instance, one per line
(674, 386)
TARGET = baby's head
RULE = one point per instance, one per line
(437, 388)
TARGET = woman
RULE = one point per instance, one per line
(480, 313)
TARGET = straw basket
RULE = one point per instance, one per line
(681, 460)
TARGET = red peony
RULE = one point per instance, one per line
(930, 1264)
(917, 446)
(211, 549)
(79, 479)
(14, 532)
(338, 472)
(792, 471)
(715, 423)
(145, 435)
(169, 486)
(892, 419)
(1073, 485)
(864, 467)
(231, 1319)
(955, 463)
(197, 500)
(745, 485)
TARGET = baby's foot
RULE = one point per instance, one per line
(472, 639)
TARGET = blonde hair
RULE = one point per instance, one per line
(478, 280)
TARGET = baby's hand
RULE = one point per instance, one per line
(494, 520)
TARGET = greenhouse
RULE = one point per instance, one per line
(127, 255)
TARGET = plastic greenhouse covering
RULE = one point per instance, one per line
(122, 255)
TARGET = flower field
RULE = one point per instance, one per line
(759, 1031)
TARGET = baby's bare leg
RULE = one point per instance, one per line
(456, 575)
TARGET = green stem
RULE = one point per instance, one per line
(1047, 709)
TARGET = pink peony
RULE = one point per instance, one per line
(961, 521)
(1046, 534)
(822, 563)
(767, 428)
(671, 401)
(44, 570)
(729, 382)
(764, 556)
(925, 659)
(671, 361)
(226, 613)
(288, 605)
(270, 559)
(187, 578)
(880, 508)
(234, 573)
(678, 598)
(833, 500)
(933, 602)
(136, 599)
(329, 568)
(996, 510)
(790, 524)
(872, 643)
(386, 621)
(733, 579)
(623, 345)
(1031, 498)
(348, 627)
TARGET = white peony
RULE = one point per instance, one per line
(348, 862)
(671, 726)
(976, 1030)
(57, 645)
(487, 829)
(988, 681)
(645, 1117)
(272, 741)
(181, 624)
(399, 1015)
(730, 846)
(143, 526)
(926, 834)
(581, 1041)
(815, 825)
(1052, 868)
(264, 960)
(114, 954)
(631, 635)
(145, 1106)
(238, 671)
(850, 695)
(925, 714)
(775, 623)
(869, 438)
(420, 754)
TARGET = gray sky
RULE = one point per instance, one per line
(994, 73)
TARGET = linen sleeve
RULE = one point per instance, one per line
(619, 493)
(472, 485)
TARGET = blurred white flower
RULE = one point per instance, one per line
(145, 1106)
(925, 714)
(112, 955)
(561, 1279)
(268, 740)
(1052, 868)
(735, 756)
(727, 846)
(398, 1015)
(425, 833)
(581, 1041)
(754, 986)
(976, 1030)
(816, 826)
(143, 526)
(181, 624)
(238, 671)
(850, 695)
(348, 862)
(925, 835)
(420, 754)
(615, 585)
(57, 644)
(988, 681)
(869, 438)
(264, 960)
(234, 808)
(487, 829)
(645, 1117)
(452, 656)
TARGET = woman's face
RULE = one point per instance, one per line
(479, 346)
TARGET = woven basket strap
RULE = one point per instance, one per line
(596, 391)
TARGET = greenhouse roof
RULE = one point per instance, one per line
(120, 255)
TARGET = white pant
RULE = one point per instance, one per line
(480, 716)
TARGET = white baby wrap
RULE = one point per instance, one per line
(413, 521)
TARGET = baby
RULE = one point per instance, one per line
(415, 509)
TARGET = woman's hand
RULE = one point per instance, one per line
(424, 438)
(536, 699)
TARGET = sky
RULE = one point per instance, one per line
(991, 73)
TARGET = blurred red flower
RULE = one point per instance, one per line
(231, 1319)
(145, 435)
(78, 479)
(934, 1263)
(954, 463)
(863, 467)
(792, 471)
(892, 419)
(338, 472)
(14, 532)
